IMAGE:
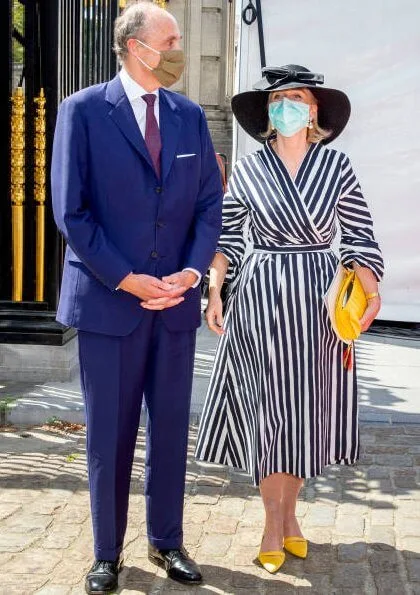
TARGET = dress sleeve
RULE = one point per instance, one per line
(232, 241)
(358, 242)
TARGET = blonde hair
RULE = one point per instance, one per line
(315, 134)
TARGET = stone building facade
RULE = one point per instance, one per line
(208, 29)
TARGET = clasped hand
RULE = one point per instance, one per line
(159, 294)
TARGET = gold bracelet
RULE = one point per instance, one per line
(370, 296)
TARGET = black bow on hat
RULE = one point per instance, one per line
(251, 107)
(274, 76)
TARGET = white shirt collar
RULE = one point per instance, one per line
(132, 89)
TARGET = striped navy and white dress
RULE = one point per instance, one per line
(279, 398)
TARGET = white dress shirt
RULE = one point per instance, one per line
(134, 93)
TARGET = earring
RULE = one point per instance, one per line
(310, 124)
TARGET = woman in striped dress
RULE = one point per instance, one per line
(280, 403)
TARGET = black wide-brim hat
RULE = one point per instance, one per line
(251, 110)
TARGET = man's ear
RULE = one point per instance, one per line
(131, 46)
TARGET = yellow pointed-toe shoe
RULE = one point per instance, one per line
(271, 561)
(298, 546)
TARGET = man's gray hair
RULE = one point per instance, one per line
(132, 23)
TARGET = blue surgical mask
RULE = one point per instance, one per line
(288, 117)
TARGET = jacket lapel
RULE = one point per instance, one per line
(122, 114)
(170, 126)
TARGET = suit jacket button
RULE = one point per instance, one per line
(158, 190)
(160, 224)
(154, 254)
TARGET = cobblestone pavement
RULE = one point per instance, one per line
(363, 522)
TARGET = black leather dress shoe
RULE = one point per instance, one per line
(177, 563)
(103, 577)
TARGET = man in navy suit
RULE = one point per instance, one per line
(137, 196)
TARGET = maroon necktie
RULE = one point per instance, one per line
(152, 134)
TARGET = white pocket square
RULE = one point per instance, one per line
(186, 155)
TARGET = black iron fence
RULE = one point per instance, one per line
(48, 50)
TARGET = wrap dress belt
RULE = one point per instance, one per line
(291, 248)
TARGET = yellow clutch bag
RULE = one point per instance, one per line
(346, 302)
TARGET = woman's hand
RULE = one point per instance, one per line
(371, 312)
(214, 313)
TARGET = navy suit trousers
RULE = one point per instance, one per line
(116, 372)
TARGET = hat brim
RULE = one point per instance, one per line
(250, 109)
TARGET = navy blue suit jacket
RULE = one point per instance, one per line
(117, 217)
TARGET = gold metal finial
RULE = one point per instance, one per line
(17, 182)
(161, 3)
(39, 193)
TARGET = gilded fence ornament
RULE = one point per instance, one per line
(17, 183)
(161, 3)
(40, 193)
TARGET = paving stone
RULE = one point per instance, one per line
(193, 534)
(73, 514)
(392, 449)
(405, 478)
(349, 525)
(231, 506)
(221, 523)
(249, 579)
(211, 481)
(35, 561)
(382, 517)
(57, 541)
(318, 535)
(68, 573)
(318, 584)
(20, 495)
(381, 561)
(22, 584)
(215, 545)
(320, 516)
(195, 513)
(378, 472)
(409, 508)
(366, 459)
(5, 557)
(352, 575)
(411, 546)
(44, 506)
(206, 499)
(412, 430)
(391, 460)
(28, 523)
(301, 508)
(352, 552)
(389, 584)
(381, 535)
(54, 589)
(247, 537)
(384, 486)
(8, 508)
(16, 542)
(319, 558)
(407, 526)
(413, 569)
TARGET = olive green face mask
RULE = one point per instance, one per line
(170, 67)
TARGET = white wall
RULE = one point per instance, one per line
(370, 50)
